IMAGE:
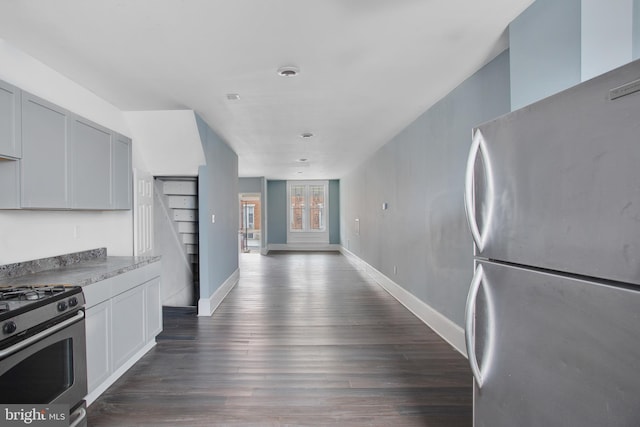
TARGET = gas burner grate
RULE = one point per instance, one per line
(30, 293)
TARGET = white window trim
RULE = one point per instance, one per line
(315, 236)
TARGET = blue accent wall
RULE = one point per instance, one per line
(334, 212)
(250, 185)
(217, 194)
(277, 212)
(545, 50)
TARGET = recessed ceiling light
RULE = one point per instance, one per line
(303, 160)
(288, 71)
(233, 96)
(306, 135)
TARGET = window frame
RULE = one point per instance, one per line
(307, 234)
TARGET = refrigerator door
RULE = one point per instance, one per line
(554, 351)
(556, 185)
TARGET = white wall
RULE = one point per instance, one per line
(27, 73)
(26, 235)
(168, 141)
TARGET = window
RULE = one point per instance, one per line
(297, 217)
(307, 206)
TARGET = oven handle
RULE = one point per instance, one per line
(82, 415)
(42, 335)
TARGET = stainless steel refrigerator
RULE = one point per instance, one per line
(553, 313)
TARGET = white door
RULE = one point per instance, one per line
(143, 213)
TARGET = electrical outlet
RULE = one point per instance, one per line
(213, 218)
(395, 269)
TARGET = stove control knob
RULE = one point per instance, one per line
(73, 301)
(9, 327)
(62, 306)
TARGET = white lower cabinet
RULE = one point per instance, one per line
(153, 308)
(127, 325)
(123, 317)
(98, 321)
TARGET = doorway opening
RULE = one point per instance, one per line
(250, 220)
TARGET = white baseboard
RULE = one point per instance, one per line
(440, 324)
(303, 247)
(91, 397)
(206, 306)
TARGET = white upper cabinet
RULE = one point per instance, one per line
(45, 154)
(10, 138)
(90, 165)
(51, 158)
(121, 172)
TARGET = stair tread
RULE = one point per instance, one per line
(183, 202)
(180, 187)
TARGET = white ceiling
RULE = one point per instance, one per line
(367, 67)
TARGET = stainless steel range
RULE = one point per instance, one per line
(43, 347)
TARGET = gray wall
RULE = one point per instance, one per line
(420, 174)
(218, 194)
(636, 29)
(545, 46)
(277, 211)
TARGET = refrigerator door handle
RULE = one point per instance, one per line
(469, 324)
(477, 146)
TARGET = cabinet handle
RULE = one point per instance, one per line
(469, 324)
(81, 416)
(42, 335)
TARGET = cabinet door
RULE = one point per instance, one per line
(91, 165)
(10, 139)
(44, 164)
(564, 190)
(121, 172)
(127, 325)
(9, 184)
(98, 344)
(555, 350)
(153, 309)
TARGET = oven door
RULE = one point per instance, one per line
(48, 367)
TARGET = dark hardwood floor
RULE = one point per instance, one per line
(304, 339)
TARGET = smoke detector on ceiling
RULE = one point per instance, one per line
(288, 71)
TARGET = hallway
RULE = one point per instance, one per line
(303, 339)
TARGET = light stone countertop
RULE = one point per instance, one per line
(80, 272)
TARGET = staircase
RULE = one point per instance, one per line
(180, 198)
